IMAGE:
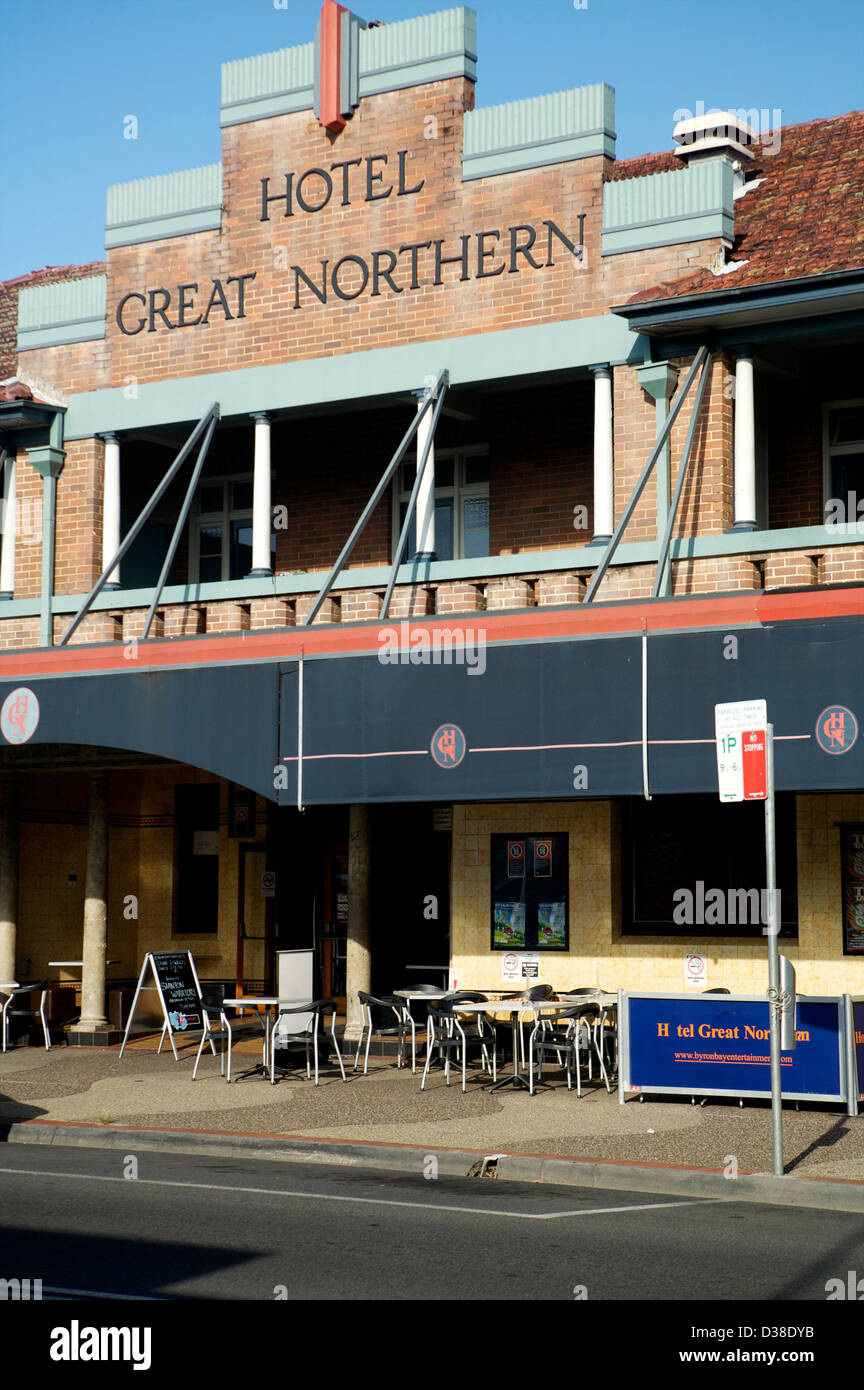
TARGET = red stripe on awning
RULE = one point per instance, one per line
(725, 611)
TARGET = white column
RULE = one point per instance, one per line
(745, 445)
(426, 495)
(262, 521)
(358, 947)
(94, 951)
(604, 474)
(111, 508)
(10, 527)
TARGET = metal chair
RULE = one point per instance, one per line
(413, 1022)
(607, 1015)
(403, 1026)
(10, 1010)
(228, 1033)
(535, 992)
(449, 1036)
(565, 1034)
(305, 1018)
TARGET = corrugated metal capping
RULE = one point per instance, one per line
(165, 195)
(268, 74)
(386, 48)
(73, 301)
(516, 124)
(701, 188)
(418, 40)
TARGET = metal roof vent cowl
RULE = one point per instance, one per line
(716, 135)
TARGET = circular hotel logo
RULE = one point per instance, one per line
(19, 717)
(836, 729)
(448, 746)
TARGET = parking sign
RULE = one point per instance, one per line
(740, 729)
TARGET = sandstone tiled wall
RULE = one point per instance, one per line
(599, 954)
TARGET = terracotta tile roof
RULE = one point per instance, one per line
(14, 390)
(805, 218)
(49, 275)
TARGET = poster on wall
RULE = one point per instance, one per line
(852, 860)
(508, 925)
(529, 892)
(551, 924)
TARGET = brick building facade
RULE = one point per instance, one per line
(546, 303)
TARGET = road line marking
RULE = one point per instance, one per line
(365, 1201)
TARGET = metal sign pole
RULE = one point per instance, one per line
(773, 927)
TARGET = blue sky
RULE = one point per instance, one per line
(78, 67)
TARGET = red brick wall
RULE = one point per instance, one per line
(9, 292)
(78, 559)
(274, 331)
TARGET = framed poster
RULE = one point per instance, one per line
(852, 862)
(529, 902)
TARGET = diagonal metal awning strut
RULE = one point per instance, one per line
(645, 475)
(384, 483)
(211, 414)
(679, 482)
(412, 501)
(178, 529)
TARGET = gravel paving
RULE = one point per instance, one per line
(387, 1106)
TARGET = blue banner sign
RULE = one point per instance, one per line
(720, 1045)
(858, 1041)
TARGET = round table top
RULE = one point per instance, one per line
(515, 1006)
(251, 1000)
(81, 963)
(412, 995)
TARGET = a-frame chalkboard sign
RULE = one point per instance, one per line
(176, 982)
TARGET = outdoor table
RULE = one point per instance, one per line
(433, 997)
(267, 1002)
(516, 1007)
(513, 1007)
(81, 963)
(411, 995)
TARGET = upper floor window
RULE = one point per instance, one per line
(844, 451)
(220, 539)
(461, 504)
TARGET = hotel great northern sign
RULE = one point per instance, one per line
(478, 253)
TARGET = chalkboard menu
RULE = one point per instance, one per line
(530, 875)
(852, 859)
(175, 980)
(175, 973)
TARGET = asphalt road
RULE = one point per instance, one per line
(198, 1228)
